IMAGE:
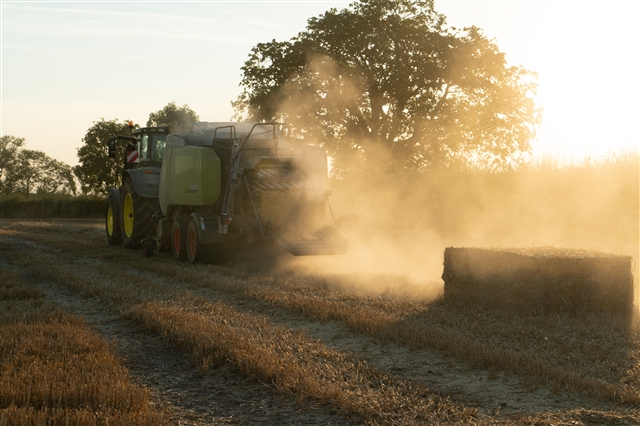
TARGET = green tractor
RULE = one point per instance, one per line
(132, 207)
(214, 187)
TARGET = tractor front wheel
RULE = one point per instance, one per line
(112, 221)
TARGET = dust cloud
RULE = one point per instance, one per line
(397, 246)
(407, 220)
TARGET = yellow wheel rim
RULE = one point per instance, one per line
(127, 213)
(110, 221)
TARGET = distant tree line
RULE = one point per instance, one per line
(29, 172)
(32, 172)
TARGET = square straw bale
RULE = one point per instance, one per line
(541, 279)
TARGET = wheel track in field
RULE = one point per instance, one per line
(79, 263)
(451, 378)
(193, 399)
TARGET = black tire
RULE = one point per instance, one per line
(198, 252)
(179, 238)
(136, 215)
(192, 242)
(112, 220)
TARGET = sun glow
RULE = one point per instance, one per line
(583, 54)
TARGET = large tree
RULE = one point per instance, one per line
(9, 148)
(385, 86)
(36, 172)
(173, 115)
(96, 171)
(28, 171)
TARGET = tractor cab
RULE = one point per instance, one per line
(145, 147)
(150, 144)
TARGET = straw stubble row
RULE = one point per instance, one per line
(378, 318)
(213, 334)
(54, 370)
(216, 333)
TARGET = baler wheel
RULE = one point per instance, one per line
(194, 248)
(202, 253)
(112, 222)
(179, 238)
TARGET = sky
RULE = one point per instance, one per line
(68, 64)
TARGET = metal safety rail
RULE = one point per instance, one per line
(264, 176)
(234, 181)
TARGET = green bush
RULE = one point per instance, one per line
(44, 206)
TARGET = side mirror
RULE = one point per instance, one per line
(112, 147)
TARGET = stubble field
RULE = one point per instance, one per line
(100, 335)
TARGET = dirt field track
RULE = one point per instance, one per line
(254, 342)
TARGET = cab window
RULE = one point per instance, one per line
(143, 146)
(158, 141)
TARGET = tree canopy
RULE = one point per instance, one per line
(29, 172)
(96, 171)
(385, 86)
(173, 115)
(9, 148)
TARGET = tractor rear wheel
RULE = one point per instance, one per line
(137, 215)
(179, 238)
(112, 221)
